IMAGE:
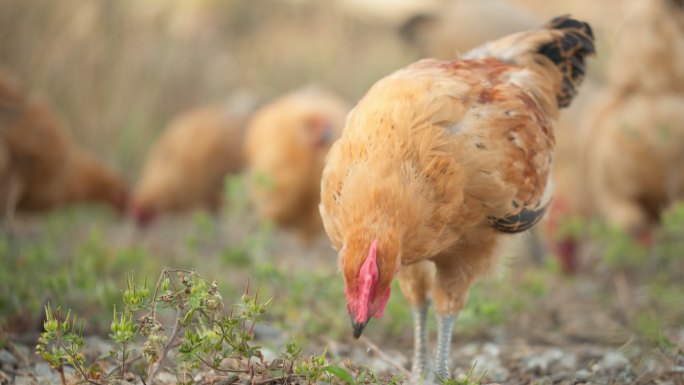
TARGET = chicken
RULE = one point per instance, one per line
(633, 150)
(40, 166)
(648, 54)
(440, 160)
(571, 196)
(636, 154)
(186, 167)
(285, 148)
(457, 26)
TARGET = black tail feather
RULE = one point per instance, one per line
(568, 53)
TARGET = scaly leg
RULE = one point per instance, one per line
(419, 369)
(415, 282)
(445, 325)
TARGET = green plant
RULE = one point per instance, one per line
(61, 343)
(468, 379)
(204, 334)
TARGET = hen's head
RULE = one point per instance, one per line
(368, 277)
(142, 214)
(564, 246)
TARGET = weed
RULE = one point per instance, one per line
(203, 335)
(468, 379)
(61, 342)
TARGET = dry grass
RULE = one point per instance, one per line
(120, 69)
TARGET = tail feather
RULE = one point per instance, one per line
(568, 52)
(563, 40)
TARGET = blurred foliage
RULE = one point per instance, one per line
(119, 70)
(82, 273)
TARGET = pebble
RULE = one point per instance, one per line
(488, 361)
(166, 378)
(6, 358)
(377, 364)
(542, 363)
(611, 361)
(470, 349)
(269, 355)
(582, 375)
(491, 349)
(24, 380)
(42, 369)
(230, 380)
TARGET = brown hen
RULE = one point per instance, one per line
(437, 162)
(40, 165)
(186, 167)
(286, 144)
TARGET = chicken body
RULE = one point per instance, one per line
(437, 162)
(40, 166)
(635, 151)
(186, 167)
(286, 144)
(457, 26)
(638, 155)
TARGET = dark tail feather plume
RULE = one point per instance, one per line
(568, 53)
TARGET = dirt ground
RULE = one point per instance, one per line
(559, 330)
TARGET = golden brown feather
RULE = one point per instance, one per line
(42, 167)
(441, 157)
(186, 167)
(635, 145)
(286, 145)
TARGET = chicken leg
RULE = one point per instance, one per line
(445, 325)
(415, 282)
(419, 369)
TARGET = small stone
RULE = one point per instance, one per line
(492, 365)
(612, 361)
(230, 380)
(24, 380)
(42, 369)
(543, 362)
(470, 349)
(491, 349)
(582, 375)
(568, 361)
(166, 378)
(269, 355)
(6, 358)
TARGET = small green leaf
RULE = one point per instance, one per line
(340, 373)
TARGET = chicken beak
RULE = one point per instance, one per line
(358, 326)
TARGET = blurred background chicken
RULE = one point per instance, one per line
(40, 165)
(186, 167)
(570, 196)
(286, 145)
(636, 153)
(456, 26)
(630, 144)
(438, 161)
